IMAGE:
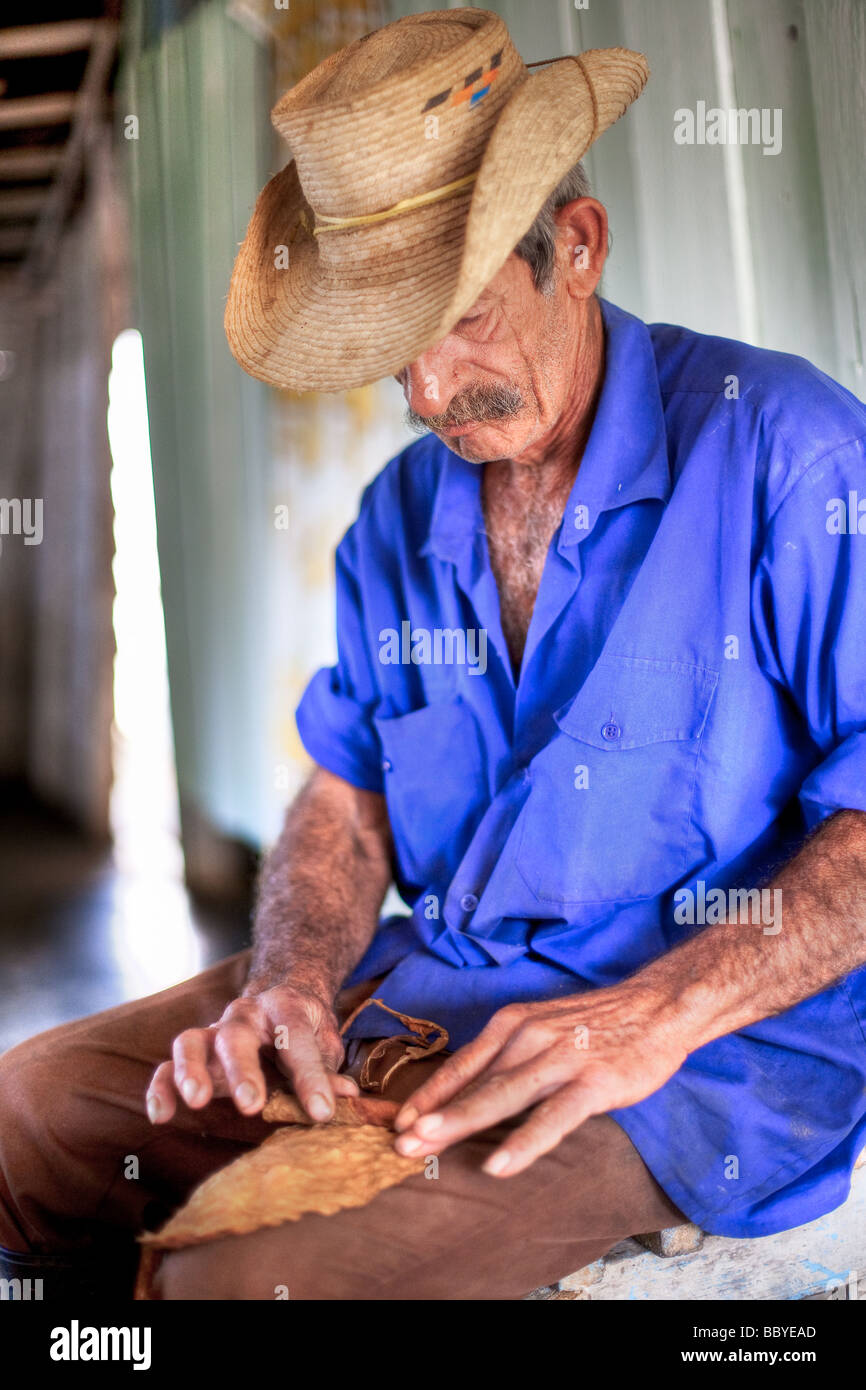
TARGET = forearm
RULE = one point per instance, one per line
(735, 973)
(321, 889)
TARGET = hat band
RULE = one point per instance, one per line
(335, 224)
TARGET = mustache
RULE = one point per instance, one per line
(473, 405)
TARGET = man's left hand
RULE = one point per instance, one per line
(568, 1058)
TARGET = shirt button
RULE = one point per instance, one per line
(387, 765)
(469, 902)
(611, 732)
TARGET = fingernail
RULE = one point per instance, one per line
(428, 1124)
(497, 1163)
(318, 1107)
(406, 1118)
(189, 1090)
(407, 1144)
(154, 1109)
(246, 1095)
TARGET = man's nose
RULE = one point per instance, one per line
(427, 383)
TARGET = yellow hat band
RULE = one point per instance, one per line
(335, 224)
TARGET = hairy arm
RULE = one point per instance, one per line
(321, 888)
(736, 973)
(318, 906)
(609, 1048)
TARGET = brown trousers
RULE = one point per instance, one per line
(82, 1171)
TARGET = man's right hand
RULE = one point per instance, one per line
(296, 1027)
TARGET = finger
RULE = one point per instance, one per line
(312, 1083)
(343, 1085)
(549, 1122)
(299, 1023)
(330, 1045)
(455, 1073)
(160, 1097)
(192, 1052)
(524, 1044)
(491, 1099)
(237, 1045)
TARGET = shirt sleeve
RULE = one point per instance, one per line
(809, 613)
(334, 716)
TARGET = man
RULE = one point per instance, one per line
(599, 707)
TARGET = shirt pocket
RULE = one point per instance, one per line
(435, 788)
(608, 816)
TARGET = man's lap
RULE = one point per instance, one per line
(457, 1235)
(77, 1095)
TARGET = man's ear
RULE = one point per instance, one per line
(581, 245)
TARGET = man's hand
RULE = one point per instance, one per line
(609, 1048)
(295, 1026)
(570, 1058)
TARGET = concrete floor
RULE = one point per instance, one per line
(77, 935)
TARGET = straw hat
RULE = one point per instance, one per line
(422, 154)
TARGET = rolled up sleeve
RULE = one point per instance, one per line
(809, 613)
(334, 717)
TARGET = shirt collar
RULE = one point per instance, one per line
(457, 514)
(625, 459)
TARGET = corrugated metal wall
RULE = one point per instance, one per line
(253, 487)
(196, 90)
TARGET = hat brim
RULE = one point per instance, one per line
(307, 321)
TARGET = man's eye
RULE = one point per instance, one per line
(469, 318)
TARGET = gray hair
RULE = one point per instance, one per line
(538, 246)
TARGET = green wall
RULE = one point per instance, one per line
(200, 91)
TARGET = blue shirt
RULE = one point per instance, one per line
(692, 699)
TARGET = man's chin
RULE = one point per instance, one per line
(482, 443)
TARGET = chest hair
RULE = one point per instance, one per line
(519, 527)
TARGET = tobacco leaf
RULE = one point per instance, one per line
(284, 1109)
(321, 1168)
